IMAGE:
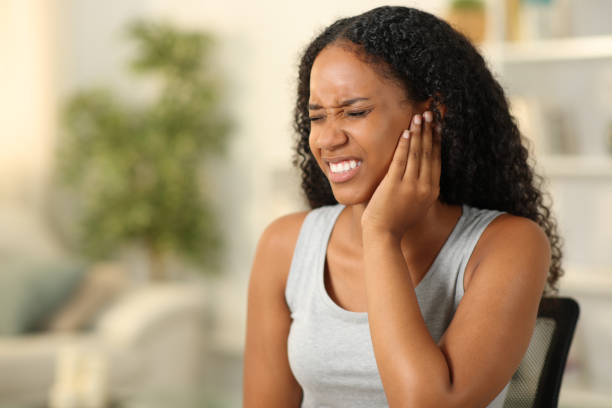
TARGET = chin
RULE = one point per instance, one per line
(348, 197)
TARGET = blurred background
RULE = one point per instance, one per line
(145, 145)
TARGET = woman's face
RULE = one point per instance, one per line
(357, 117)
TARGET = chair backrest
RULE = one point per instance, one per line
(537, 381)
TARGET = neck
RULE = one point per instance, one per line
(417, 238)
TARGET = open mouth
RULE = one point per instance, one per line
(343, 170)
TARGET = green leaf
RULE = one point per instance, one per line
(134, 166)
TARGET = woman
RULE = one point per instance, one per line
(416, 278)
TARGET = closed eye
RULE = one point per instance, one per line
(357, 114)
(353, 114)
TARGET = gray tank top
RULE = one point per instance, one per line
(329, 348)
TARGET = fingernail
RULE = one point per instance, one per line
(417, 119)
(406, 134)
(428, 116)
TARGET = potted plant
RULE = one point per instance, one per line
(134, 167)
(469, 17)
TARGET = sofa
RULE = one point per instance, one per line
(77, 334)
(153, 336)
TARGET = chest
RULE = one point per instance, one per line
(345, 286)
(344, 280)
(343, 274)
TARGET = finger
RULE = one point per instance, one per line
(436, 168)
(426, 149)
(414, 155)
(400, 157)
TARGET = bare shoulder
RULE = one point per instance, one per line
(277, 243)
(516, 233)
(512, 240)
(283, 231)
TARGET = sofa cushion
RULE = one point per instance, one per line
(32, 290)
(103, 283)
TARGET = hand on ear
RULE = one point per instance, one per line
(437, 107)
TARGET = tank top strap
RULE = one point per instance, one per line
(477, 220)
(309, 253)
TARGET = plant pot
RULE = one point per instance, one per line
(470, 22)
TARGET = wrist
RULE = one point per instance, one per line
(379, 236)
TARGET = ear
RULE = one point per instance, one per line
(429, 104)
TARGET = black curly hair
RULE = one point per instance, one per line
(484, 161)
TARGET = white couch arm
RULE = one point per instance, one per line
(152, 309)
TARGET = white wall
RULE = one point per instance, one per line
(26, 98)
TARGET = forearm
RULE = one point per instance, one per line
(411, 364)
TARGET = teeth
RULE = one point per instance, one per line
(344, 166)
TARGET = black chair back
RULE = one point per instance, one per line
(537, 381)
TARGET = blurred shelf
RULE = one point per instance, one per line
(576, 166)
(583, 398)
(587, 281)
(558, 49)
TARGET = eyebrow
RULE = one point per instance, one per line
(347, 102)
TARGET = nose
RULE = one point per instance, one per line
(328, 135)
